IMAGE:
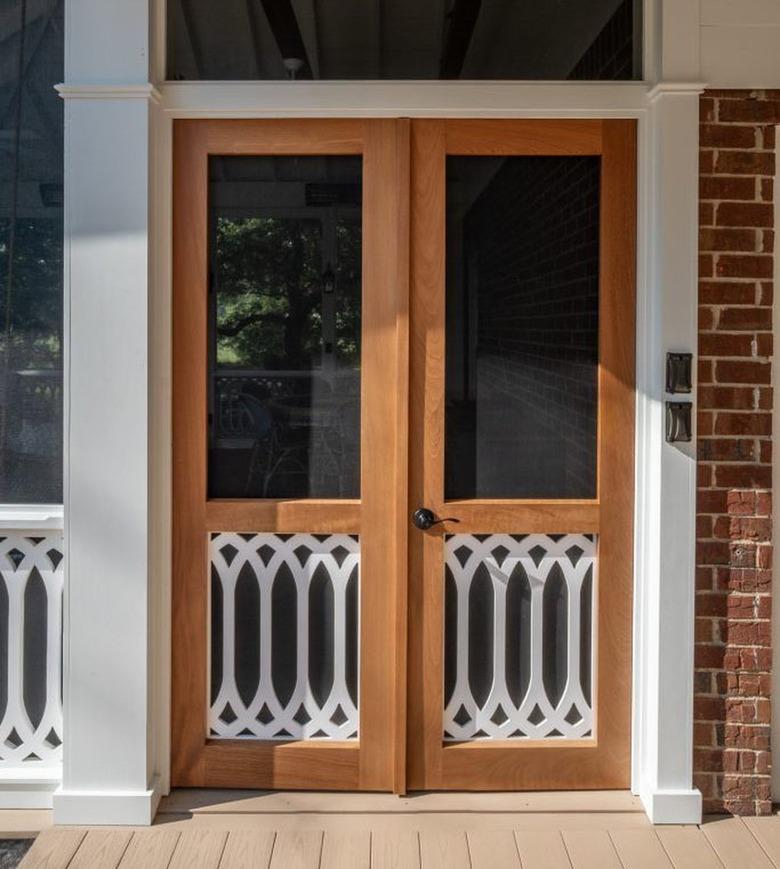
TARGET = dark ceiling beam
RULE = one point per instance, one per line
(287, 33)
(460, 28)
(252, 21)
(193, 37)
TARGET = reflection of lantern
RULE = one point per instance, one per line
(328, 281)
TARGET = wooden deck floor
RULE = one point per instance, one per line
(215, 830)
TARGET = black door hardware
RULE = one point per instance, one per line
(423, 518)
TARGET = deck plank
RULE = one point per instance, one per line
(590, 848)
(766, 831)
(246, 849)
(101, 849)
(542, 849)
(444, 850)
(688, 848)
(640, 849)
(53, 849)
(297, 848)
(493, 849)
(735, 845)
(346, 850)
(399, 850)
(199, 849)
(150, 849)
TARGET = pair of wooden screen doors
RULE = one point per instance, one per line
(403, 453)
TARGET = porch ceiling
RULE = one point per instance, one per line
(402, 39)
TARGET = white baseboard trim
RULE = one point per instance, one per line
(115, 808)
(673, 807)
(25, 792)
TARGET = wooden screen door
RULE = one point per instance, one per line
(290, 420)
(521, 435)
(373, 318)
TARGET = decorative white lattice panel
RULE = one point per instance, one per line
(284, 636)
(31, 574)
(519, 636)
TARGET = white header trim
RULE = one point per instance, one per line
(404, 99)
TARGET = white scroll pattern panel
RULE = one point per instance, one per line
(284, 636)
(519, 636)
(31, 573)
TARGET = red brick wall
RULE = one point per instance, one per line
(734, 545)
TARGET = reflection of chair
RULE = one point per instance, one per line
(268, 452)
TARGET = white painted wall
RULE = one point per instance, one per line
(740, 43)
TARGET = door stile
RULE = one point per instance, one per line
(385, 298)
(371, 761)
(426, 452)
(189, 677)
(401, 482)
(617, 364)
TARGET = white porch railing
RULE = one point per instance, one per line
(31, 591)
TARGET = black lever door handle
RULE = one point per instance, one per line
(423, 518)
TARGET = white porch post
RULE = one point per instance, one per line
(666, 473)
(108, 774)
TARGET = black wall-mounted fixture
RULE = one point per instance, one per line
(679, 376)
(678, 421)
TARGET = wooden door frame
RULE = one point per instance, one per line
(376, 760)
(604, 760)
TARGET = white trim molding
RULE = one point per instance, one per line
(108, 92)
(31, 517)
(107, 807)
(316, 99)
(29, 788)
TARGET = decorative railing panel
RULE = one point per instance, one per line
(519, 636)
(31, 574)
(284, 636)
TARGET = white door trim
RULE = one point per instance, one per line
(667, 116)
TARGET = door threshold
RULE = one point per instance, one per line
(202, 801)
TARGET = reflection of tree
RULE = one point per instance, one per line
(269, 292)
(269, 303)
(33, 338)
(348, 285)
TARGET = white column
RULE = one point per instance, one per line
(666, 473)
(109, 768)
(665, 586)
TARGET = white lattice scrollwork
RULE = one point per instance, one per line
(284, 634)
(519, 636)
(31, 568)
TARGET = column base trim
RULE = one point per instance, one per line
(115, 808)
(673, 806)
